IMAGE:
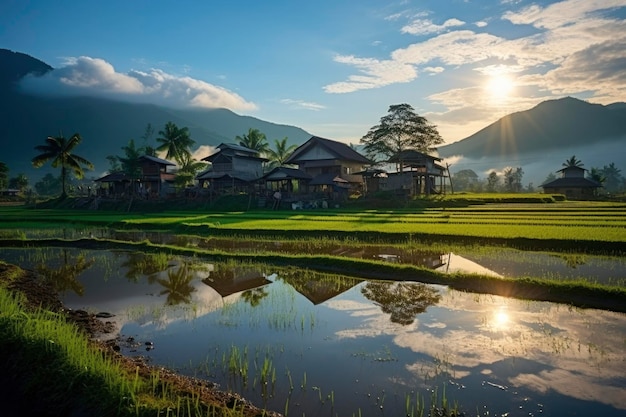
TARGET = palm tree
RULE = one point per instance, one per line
(280, 153)
(59, 150)
(188, 169)
(175, 141)
(254, 139)
(573, 162)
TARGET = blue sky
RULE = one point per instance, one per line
(331, 67)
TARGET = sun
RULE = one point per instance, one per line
(500, 86)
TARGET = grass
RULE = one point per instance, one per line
(40, 346)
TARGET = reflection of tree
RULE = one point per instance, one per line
(65, 276)
(141, 264)
(254, 296)
(177, 285)
(402, 300)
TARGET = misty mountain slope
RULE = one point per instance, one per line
(550, 126)
(105, 125)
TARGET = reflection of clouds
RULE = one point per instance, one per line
(561, 381)
(578, 350)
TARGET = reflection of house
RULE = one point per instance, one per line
(572, 183)
(419, 173)
(233, 167)
(153, 180)
(330, 164)
(319, 287)
(235, 281)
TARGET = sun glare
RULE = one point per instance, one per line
(500, 86)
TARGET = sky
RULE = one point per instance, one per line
(331, 67)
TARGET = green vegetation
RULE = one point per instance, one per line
(40, 346)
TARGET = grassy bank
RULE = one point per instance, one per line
(51, 368)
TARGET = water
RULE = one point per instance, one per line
(322, 345)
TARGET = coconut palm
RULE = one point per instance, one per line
(254, 139)
(175, 141)
(4, 175)
(188, 169)
(59, 150)
(280, 153)
(573, 162)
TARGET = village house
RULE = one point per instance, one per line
(333, 167)
(417, 174)
(572, 184)
(233, 168)
(153, 181)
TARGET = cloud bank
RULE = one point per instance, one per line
(97, 77)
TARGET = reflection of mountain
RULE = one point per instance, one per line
(318, 287)
(227, 281)
(401, 300)
(455, 263)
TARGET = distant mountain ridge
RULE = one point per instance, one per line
(105, 125)
(549, 126)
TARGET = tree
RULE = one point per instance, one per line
(551, 177)
(59, 150)
(401, 129)
(254, 139)
(613, 178)
(129, 163)
(188, 169)
(280, 153)
(465, 179)
(175, 141)
(492, 181)
(48, 185)
(572, 162)
(20, 182)
(4, 175)
(513, 179)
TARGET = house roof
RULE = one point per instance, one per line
(340, 150)
(113, 177)
(157, 160)
(411, 156)
(571, 168)
(232, 149)
(571, 182)
(284, 173)
(237, 175)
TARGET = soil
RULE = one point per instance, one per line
(38, 293)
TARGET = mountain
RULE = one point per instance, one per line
(539, 140)
(552, 125)
(105, 125)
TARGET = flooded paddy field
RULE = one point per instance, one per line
(311, 344)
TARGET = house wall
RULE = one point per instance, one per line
(571, 193)
(248, 165)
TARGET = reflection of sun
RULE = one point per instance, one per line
(500, 86)
(500, 319)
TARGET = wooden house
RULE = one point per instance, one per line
(154, 180)
(418, 174)
(572, 184)
(232, 168)
(331, 165)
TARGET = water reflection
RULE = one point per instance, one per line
(364, 341)
(64, 277)
(403, 301)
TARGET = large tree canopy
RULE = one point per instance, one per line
(59, 150)
(400, 130)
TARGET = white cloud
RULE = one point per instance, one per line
(94, 76)
(426, 26)
(376, 74)
(301, 104)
